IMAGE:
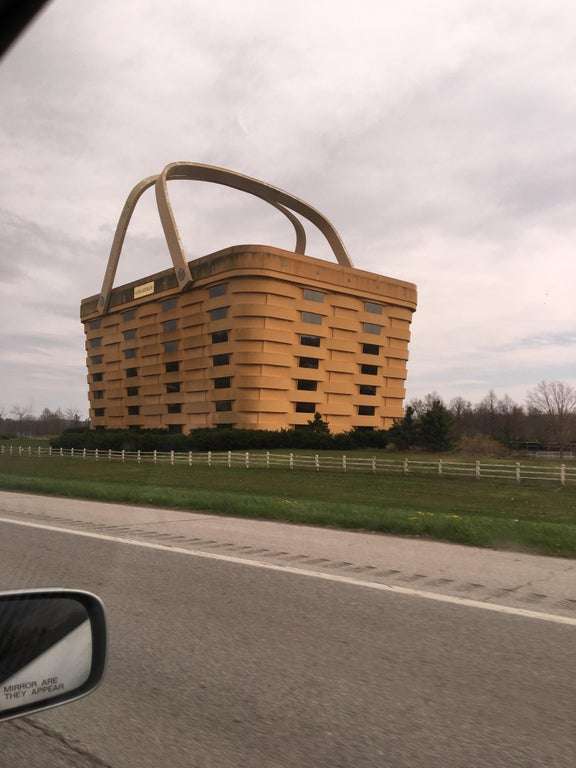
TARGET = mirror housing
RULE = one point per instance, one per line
(52, 648)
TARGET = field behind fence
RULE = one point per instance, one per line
(477, 470)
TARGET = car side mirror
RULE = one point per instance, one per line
(52, 648)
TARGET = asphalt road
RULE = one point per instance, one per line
(218, 664)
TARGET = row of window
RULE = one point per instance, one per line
(362, 410)
(226, 405)
(225, 382)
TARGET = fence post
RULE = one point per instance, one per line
(96, 454)
(439, 466)
(171, 457)
(291, 461)
(138, 456)
(49, 450)
(20, 450)
(190, 458)
(84, 453)
(317, 462)
(109, 454)
(39, 451)
(247, 459)
(267, 459)
(405, 467)
(61, 451)
(373, 464)
(72, 453)
(563, 474)
(477, 470)
(29, 450)
(123, 455)
(229, 459)
(344, 462)
(155, 459)
(518, 472)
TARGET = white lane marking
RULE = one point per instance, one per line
(463, 601)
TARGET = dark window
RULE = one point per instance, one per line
(312, 295)
(221, 360)
(95, 324)
(308, 362)
(130, 314)
(170, 346)
(219, 337)
(172, 367)
(96, 359)
(311, 317)
(310, 341)
(131, 372)
(134, 427)
(305, 407)
(128, 335)
(169, 325)
(223, 405)
(367, 389)
(307, 384)
(219, 313)
(98, 394)
(168, 304)
(366, 410)
(97, 377)
(369, 370)
(371, 328)
(99, 411)
(375, 309)
(95, 343)
(370, 349)
(217, 290)
(225, 425)
(132, 391)
(173, 386)
(133, 410)
(175, 408)
(128, 353)
(175, 428)
(223, 382)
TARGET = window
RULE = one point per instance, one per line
(169, 325)
(312, 295)
(311, 317)
(169, 304)
(374, 309)
(370, 349)
(95, 324)
(219, 337)
(98, 394)
(223, 405)
(131, 372)
(128, 353)
(305, 407)
(371, 328)
(132, 391)
(308, 362)
(173, 386)
(97, 377)
(222, 383)
(128, 335)
(134, 427)
(172, 367)
(133, 410)
(217, 290)
(221, 360)
(99, 411)
(369, 370)
(96, 359)
(175, 429)
(366, 410)
(130, 314)
(219, 313)
(175, 408)
(367, 389)
(307, 384)
(95, 343)
(310, 341)
(170, 346)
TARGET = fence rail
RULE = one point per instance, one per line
(477, 470)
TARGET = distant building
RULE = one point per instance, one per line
(251, 336)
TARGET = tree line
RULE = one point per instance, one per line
(19, 421)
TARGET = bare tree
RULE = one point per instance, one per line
(556, 401)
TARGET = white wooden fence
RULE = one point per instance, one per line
(516, 471)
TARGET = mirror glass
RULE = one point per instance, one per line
(45, 649)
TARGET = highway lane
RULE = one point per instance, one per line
(217, 664)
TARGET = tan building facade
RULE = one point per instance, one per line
(259, 338)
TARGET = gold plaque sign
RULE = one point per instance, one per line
(143, 290)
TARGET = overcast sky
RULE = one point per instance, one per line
(439, 138)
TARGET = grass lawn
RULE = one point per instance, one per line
(501, 514)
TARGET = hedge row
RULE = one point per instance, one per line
(218, 439)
